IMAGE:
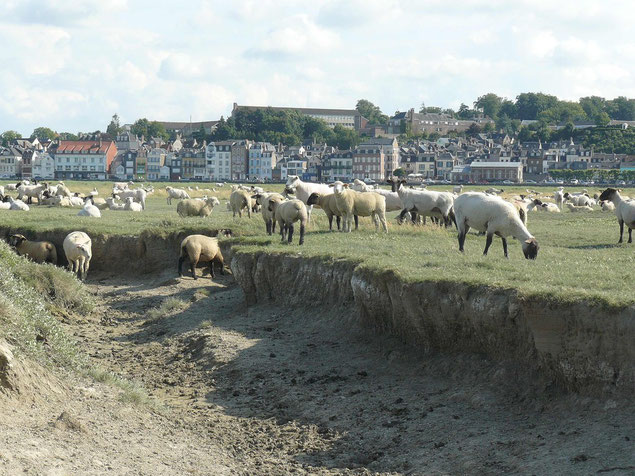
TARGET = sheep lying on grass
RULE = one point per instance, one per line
(624, 210)
(579, 208)
(131, 206)
(263, 200)
(239, 200)
(494, 217)
(17, 205)
(113, 205)
(197, 208)
(89, 210)
(607, 206)
(78, 250)
(38, 251)
(578, 200)
(200, 249)
(286, 214)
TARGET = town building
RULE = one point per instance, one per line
(43, 166)
(218, 156)
(369, 162)
(83, 159)
(262, 161)
(496, 171)
(194, 163)
(338, 165)
(10, 161)
(155, 160)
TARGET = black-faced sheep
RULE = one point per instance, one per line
(38, 251)
(624, 210)
(286, 214)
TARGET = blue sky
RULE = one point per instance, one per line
(70, 65)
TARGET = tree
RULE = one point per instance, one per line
(621, 108)
(224, 130)
(9, 136)
(465, 112)
(563, 111)
(529, 105)
(490, 104)
(43, 133)
(68, 136)
(345, 138)
(399, 172)
(473, 130)
(143, 127)
(602, 119)
(489, 127)
(371, 112)
(113, 128)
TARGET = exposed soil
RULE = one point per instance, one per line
(268, 390)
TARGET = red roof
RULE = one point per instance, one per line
(83, 147)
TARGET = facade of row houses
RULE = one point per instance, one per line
(83, 159)
(338, 166)
(193, 164)
(262, 161)
(240, 159)
(369, 162)
(10, 161)
(496, 171)
(218, 156)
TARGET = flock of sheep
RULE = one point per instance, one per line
(486, 212)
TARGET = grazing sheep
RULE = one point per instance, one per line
(579, 208)
(263, 200)
(494, 217)
(132, 206)
(89, 210)
(78, 250)
(424, 202)
(200, 249)
(286, 214)
(38, 251)
(113, 205)
(239, 200)
(327, 203)
(197, 208)
(31, 191)
(303, 190)
(138, 194)
(18, 205)
(177, 193)
(624, 210)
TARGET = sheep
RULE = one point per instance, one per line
(494, 191)
(327, 203)
(38, 251)
(78, 250)
(76, 201)
(624, 210)
(31, 191)
(263, 200)
(132, 206)
(197, 208)
(541, 206)
(303, 190)
(424, 202)
(1, 190)
(178, 193)
(578, 200)
(18, 205)
(360, 186)
(579, 208)
(99, 202)
(13, 187)
(89, 210)
(61, 190)
(239, 200)
(351, 203)
(94, 192)
(138, 194)
(57, 201)
(200, 249)
(607, 206)
(458, 189)
(393, 202)
(113, 205)
(286, 213)
(494, 217)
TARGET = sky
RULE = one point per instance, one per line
(71, 65)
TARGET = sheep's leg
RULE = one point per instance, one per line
(621, 231)
(80, 267)
(462, 235)
(290, 232)
(382, 219)
(302, 227)
(375, 221)
(309, 209)
(283, 229)
(504, 246)
(273, 227)
(356, 222)
(86, 266)
(402, 215)
(180, 266)
(630, 235)
(488, 243)
(221, 262)
(338, 220)
(330, 217)
(268, 226)
(193, 264)
(211, 269)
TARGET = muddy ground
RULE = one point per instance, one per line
(269, 390)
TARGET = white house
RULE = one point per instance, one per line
(218, 156)
(43, 166)
(10, 162)
(155, 160)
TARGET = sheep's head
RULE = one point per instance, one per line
(338, 187)
(537, 201)
(16, 240)
(313, 199)
(212, 201)
(530, 248)
(225, 232)
(608, 194)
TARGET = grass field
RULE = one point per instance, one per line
(578, 258)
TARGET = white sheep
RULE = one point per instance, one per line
(197, 208)
(177, 193)
(607, 206)
(492, 216)
(31, 191)
(89, 210)
(351, 203)
(239, 200)
(78, 250)
(579, 200)
(579, 208)
(76, 201)
(558, 196)
(458, 189)
(495, 191)
(18, 205)
(132, 206)
(263, 200)
(303, 190)
(138, 194)
(113, 205)
(327, 203)
(424, 202)
(624, 210)
(200, 249)
(286, 213)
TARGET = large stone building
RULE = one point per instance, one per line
(348, 118)
(369, 162)
(83, 159)
(193, 163)
(417, 123)
(496, 171)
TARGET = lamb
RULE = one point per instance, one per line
(303, 190)
(263, 200)
(132, 206)
(18, 205)
(559, 198)
(624, 210)
(351, 203)
(31, 191)
(197, 208)
(78, 250)
(38, 251)
(492, 216)
(286, 214)
(239, 200)
(89, 210)
(607, 206)
(424, 202)
(200, 249)
(579, 208)
(113, 205)
(578, 200)
(178, 193)
(327, 203)
(138, 194)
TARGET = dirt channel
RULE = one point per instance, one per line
(270, 390)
